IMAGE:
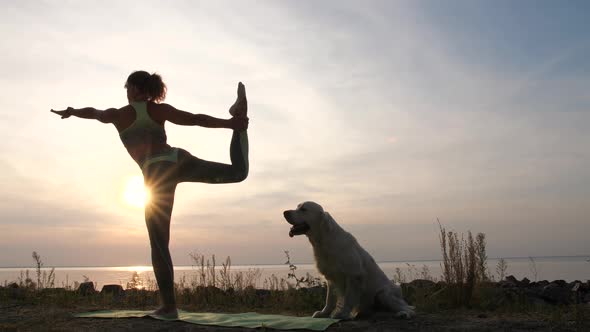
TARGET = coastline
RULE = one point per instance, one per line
(508, 305)
(567, 268)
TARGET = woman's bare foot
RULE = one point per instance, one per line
(240, 107)
(168, 312)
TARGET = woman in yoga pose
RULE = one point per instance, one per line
(141, 129)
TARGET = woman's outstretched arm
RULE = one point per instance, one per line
(107, 116)
(189, 119)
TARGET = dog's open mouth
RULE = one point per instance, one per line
(298, 229)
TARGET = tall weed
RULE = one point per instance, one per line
(464, 264)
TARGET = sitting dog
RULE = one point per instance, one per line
(356, 285)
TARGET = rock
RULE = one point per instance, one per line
(53, 291)
(512, 279)
(138, 293)
(442, 297)
(535, 288)
(209, 293)
(419, 289)
(577, 292)
(556, 294)
(575, 286)
(537, 300)
(116, 290)
(422, 283)
(496, 297)
(488, 283)
(316, 290)
(212, 290)
(14, 291)
(538, 284)
(86, 288)
(509, 282)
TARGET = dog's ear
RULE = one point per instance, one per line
(327, 222)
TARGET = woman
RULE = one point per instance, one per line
(141, 129)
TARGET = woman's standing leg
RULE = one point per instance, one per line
(161, 180)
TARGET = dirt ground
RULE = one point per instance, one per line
(35, 318)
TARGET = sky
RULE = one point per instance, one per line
(390, 114)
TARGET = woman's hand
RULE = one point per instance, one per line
(238, 123)
(65, 113)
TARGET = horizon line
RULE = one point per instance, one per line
(278, 264)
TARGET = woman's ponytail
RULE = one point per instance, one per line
(156, 88)
(151, 85)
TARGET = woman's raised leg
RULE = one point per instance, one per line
(193, 169)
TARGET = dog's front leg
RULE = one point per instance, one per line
(331, 301)
(352, 297)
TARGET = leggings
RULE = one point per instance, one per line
(161, 178)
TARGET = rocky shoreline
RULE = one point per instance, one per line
(507, 305)
(509, 290)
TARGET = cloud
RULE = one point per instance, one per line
(390, 114)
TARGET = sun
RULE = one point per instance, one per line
(136, 194)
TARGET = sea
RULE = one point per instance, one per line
(568, 268)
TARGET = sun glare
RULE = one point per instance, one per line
(136, 194)
(139, 269)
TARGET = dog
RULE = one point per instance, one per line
(357, 287)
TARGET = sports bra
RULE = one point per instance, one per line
(143, 132)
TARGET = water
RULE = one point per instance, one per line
(539, 268)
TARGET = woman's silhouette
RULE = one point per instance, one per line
(141, 129)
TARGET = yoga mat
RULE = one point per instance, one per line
(249, 319)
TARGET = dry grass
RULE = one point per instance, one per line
(464, 283)
(209, 287)
(464, 265)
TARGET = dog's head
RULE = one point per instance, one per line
(309, 218)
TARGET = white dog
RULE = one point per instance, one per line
(356, 284)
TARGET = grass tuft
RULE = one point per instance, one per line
(464, 265)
